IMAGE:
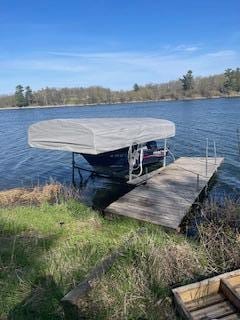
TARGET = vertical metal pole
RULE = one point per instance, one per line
(130, 162)
(141, 160)
(215, 152)
(165, 152)
(206, 157)
(73, 168)
(130, 175)
(197, 182)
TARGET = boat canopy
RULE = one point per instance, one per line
(97, 135)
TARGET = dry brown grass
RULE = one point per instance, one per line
(116, 296)
(174, 263)
(20, 196)
(126, 294)
(221, 246)
(138, 286)
(219, 235)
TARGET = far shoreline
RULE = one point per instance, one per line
(118, 103)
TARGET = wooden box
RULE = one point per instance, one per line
(214, 298)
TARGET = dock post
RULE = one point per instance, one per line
(165, 152)
(206, 157)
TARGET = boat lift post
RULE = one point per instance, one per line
(133, 155)
(165, 152)
(73, 168)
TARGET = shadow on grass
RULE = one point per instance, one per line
(41, 303)
(22, 271)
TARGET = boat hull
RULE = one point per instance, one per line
(120, 158)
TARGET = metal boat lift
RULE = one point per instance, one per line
(98, 136)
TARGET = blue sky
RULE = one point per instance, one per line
(114, 43)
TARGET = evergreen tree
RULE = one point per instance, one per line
(187, 81)
(136, 87)
(228, 80)
(237, 80)
(19, 96)
(28, 96)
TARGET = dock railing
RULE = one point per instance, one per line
(146, 176)
(198, 175)
(207, 153)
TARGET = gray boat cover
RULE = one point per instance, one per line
(98, 135)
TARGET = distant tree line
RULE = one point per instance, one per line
(188, 86)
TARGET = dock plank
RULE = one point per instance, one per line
(168, 195)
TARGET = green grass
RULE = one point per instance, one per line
(138, 285)
(46, 250)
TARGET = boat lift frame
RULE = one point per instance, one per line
(75, 166)
(132, 156)
(138, 153)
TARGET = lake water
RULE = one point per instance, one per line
(196, 120)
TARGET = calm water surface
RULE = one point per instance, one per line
(195, 121)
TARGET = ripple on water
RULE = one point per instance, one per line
(215, 119)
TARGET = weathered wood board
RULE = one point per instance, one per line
(72, 301)
(167, 196)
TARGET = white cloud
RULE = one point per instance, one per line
(185, 48)
(117, 69)
(223, 53)
(192, 49)
(42, 64)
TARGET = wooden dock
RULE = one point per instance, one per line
(169, 193)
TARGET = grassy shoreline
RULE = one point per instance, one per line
(50, 242)
(117, 103)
